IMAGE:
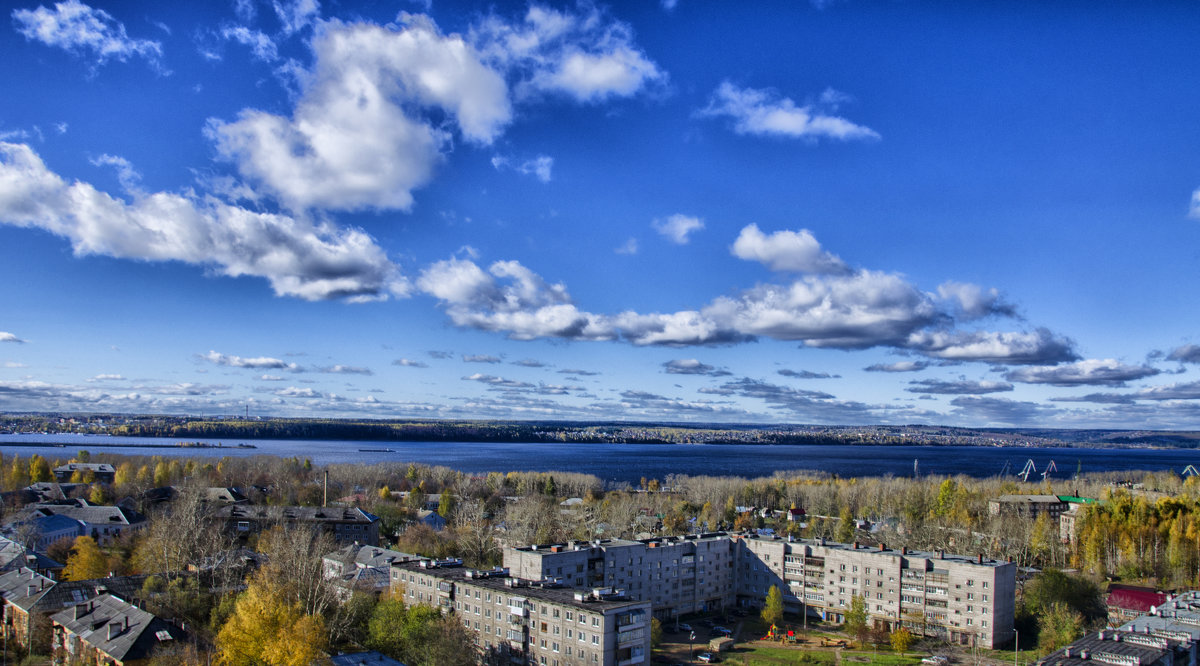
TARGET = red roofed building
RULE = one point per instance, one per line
(1127, 602)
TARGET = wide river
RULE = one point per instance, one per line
(620, 463)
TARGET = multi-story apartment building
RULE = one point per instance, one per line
(531, 622)
(968, 600)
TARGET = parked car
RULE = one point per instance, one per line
(935, 660)
(684, 626)
(722, 630)
(708, 658)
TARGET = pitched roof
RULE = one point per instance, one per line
(23, 587)
(300, 513)
(1129, 597)
(360, 556)
(117, 628)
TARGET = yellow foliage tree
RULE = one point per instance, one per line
(86, 561)
(268, 627)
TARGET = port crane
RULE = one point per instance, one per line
(1049, 468)
(1029, 468)
(1190, 470)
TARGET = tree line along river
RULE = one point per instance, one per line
(628, 463)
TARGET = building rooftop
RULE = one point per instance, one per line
(117, 628)
(1117, 648)
(498, 580)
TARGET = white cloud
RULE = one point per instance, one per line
(539, 167)
(847, 310)
(5, 336)
(973, 301)
(677, 228)
(794, 251)
(583, 55)
(356, 138)
(765, 113)
(669, 5)
(1088, 372)
(960, 387)
(78, 28)
(128, 176)
(262, 46)
(295, 15)
(107, 378)
(258, 363)
(1039, 346)
(345, 370)
(409, 363)
(898, 366)
(308, 260)
(628, 247)
(508, 298)
(481, 358)
(1194, 209)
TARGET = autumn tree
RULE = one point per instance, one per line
(86, 561)
(39, 469)
(902, 639)
(419, 635)
(269, 627)
(772, 612)
(1059, 626)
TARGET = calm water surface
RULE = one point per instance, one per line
(620, 463)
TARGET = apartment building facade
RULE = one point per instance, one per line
(531, 622)
(969, 600)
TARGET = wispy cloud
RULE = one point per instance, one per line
(5, 336)
(84, 31)
(804, 374)
(677, 228)
(763, 112)
(481, 358)
(898, 366)
(1090, 372)
(540, 166)
(960, 387)
(691, 366)
(409, 363)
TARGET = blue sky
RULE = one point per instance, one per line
(830, 212)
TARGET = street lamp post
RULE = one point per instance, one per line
(691, 650)
(1016, 644)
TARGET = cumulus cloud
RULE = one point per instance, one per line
(508, 298)
(539, 167)
(677, 228)
(691, 366)
(898, 366)
(975, 302)
(1039, 346)
(409, 363)
(804, 374)
(300, 258)
(848, 309)
(360, 135)
(480, 358)
(583, 55)
(1089, 372)
(84, 31)
(794, 251)
(763, 112)
(5, 336)
(258, 363)
(1185, 354)
(961, 387)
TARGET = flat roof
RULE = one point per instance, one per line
(563, 596)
